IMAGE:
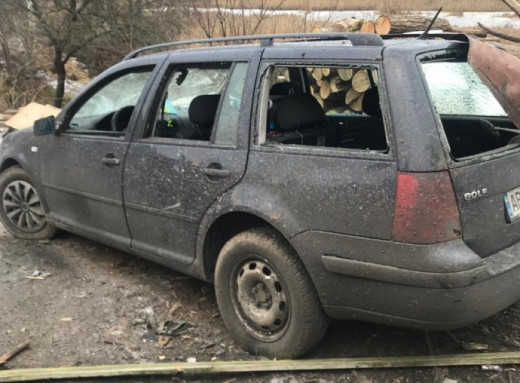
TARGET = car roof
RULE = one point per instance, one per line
(323, 40)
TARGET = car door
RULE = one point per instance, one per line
(190, 154)
(81, 168)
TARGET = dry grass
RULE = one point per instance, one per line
(388, 6)
(272, 25)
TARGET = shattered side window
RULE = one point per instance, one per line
(190, 101)
(324, 106)
(473, 120)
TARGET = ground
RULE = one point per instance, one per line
(102, 306)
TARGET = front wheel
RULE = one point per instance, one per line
(21, 210)
(266, 296)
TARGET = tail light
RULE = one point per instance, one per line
(425, 209)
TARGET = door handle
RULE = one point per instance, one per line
(216, 173)
(111, 160)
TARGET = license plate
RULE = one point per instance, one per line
(512, 202)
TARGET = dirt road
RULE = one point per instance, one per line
(81, 303)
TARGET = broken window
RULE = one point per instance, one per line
(323, 106)
(189, 102)
(472, 118)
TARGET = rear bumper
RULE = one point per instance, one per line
(438, 286)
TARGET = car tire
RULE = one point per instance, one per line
(21, 211)
(266, 297)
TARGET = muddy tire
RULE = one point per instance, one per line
(21, 210)
(266, 297)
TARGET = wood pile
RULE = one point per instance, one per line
(383, 25)
(341, 89)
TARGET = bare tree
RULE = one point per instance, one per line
(232, 17)
(69, 26)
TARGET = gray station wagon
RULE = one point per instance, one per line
(344, 176)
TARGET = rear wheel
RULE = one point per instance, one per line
(266, 296)
(21, 210)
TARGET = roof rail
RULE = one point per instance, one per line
(455, 36)
(357, 39)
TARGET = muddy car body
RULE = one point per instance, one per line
(298, 211)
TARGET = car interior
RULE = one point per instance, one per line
(297, 117)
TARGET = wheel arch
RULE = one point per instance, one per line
(222, 230)
(9, 163)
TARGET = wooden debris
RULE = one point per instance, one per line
(360, 81)
(340, 26)
(177, 305)
(337, 84)
(408, 23)
(383, 25)
(368, 27)
(477, 32)
(317, 73)
(353, 24)
(8, 355)
(212, 368)
(325, 89)
(325, 72)
(345, 73)
(357, 104)
(351, 96)
(499, 34)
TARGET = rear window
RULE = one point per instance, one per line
(456, 89)
(472, 118)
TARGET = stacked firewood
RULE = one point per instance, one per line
(343, 89)
(340, 89)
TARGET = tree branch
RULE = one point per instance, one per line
(514, 5)
(499, 34)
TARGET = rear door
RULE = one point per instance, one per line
(482, 145)
(193, 150)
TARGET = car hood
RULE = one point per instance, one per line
(500, 71)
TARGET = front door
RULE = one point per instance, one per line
(81, 168)
(189, 155)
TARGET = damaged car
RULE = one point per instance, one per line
(309, 177)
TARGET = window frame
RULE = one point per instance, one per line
(166, 76)
(260, 113)
(77, 103)
(461, 53)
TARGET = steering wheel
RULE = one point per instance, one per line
(121, 118)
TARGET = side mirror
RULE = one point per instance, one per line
(44, 126)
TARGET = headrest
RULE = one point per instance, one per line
(298, 112)
(284, 89)
(371, 104)
(203, 109)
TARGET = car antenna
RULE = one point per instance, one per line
(424, 35)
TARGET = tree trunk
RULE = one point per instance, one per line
(383, 25)
(7, 55)
(59, 65)
(401, 24)
(368, 27)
